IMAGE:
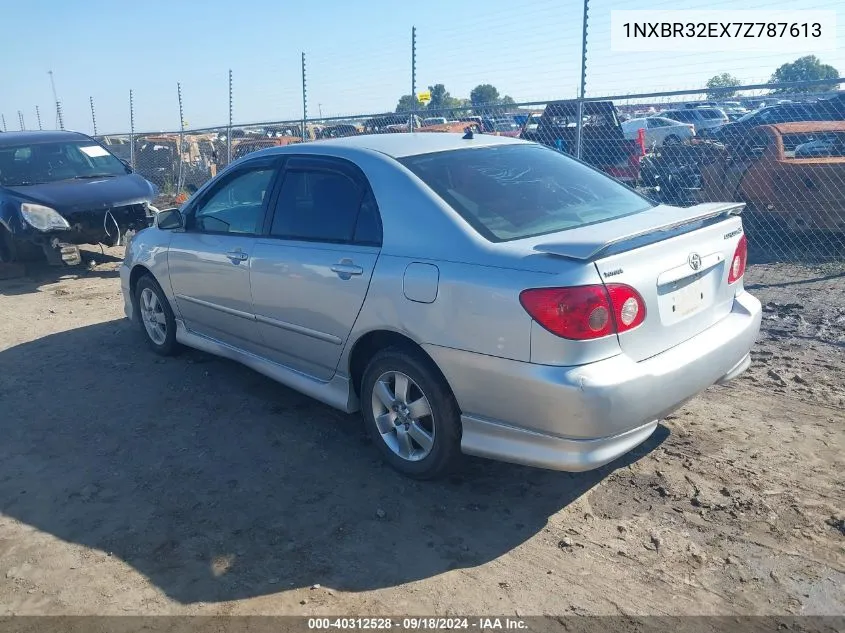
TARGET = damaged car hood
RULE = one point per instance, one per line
(72, 196)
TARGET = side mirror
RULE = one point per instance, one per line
(169, 219)
(127, 165)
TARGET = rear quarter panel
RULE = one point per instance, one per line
(477, 309)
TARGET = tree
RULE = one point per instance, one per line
(441, 101)
(408, 103)
(438, 97)
(724, 80)
(484, 95)
(808, 68)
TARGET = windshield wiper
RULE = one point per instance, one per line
(88, 176)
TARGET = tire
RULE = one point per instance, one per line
(424, 446)
(151, 308)
(672, 139)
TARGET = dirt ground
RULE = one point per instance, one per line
(192, 485)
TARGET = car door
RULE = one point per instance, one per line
(209, 260)
(655, 132)
(311, 273)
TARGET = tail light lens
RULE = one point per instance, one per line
(628, 306)
(740, 259)
(585, 312)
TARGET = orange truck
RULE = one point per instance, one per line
(790, 175)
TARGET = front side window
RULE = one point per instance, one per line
(37, 163)
(509, 192)
(237, 205)
(323, 206)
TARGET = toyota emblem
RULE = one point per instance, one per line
(694, 261)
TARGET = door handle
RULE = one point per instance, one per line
(345, 269)
(237, 256)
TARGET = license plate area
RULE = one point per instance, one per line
(688, 299)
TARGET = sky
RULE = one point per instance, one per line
(358, 56)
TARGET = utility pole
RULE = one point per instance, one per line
(229, 129)
(304, 99)
(181, 139)
(580, 122)
(93, 115)
(59, 119)
(413, 76)
(131, 131)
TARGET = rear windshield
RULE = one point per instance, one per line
(711, 114)
(509, 192)
(814, 145)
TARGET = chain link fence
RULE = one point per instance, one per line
(780, 152)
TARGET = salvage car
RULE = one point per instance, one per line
(339, 131)
(785, 187)
(705, 119)
(658, 130)
(603, 142)
(468, 293)
(62, 189)
(771, 115)
(249, 146)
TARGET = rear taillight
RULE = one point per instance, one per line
(628, 306)
(585, 312)
(740, 259)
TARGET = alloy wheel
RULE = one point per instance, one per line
(403, 416)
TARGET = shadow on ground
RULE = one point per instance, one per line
(34, 275)
(218, 484)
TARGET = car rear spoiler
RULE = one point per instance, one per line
(589, 242)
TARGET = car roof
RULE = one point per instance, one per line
(399, 144)
(796, 127)
(39, 136)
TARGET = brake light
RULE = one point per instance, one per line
(585, 312)
(739, 261)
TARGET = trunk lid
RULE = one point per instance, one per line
(678, 265)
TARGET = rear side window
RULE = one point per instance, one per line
(509, 192)
(326, 206)
(680, 115)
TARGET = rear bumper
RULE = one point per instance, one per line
(578, 418)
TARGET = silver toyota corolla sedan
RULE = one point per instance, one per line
(479, 295)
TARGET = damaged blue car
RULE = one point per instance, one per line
(62, 189)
